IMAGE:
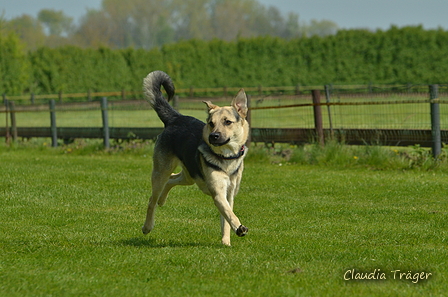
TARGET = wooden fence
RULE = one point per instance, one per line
(432, 137)
(193, 92)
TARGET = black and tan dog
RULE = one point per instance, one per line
(211, 155)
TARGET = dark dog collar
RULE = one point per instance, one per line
(240, 153)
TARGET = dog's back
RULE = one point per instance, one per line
(182, 134)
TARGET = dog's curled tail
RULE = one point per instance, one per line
(151, 90)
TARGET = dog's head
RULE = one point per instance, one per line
(227, 130)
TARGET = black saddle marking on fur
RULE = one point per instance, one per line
(182, 138)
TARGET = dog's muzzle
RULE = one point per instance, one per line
(216, 139)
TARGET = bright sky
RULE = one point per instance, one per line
(348, 14)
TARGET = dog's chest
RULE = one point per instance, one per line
(212, 162)
(228, 167)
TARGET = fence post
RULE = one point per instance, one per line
(435, 120)
(53, 127)
(8, 135)
(12, 112)
(105, 122)
(318, 117)
(328, 97)
(176, 102)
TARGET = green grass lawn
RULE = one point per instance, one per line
(70, 226)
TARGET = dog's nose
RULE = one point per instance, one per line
(214, 136)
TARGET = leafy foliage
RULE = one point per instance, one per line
(398, 55)
(152, 23)
(14, 65)
(71, 69)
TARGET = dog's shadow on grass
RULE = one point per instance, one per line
(161, 243)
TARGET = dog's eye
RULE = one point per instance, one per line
(228, 123)
(211, 125)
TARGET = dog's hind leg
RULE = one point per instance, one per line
(179, 179)
(163, 166)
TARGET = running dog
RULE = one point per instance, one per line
(210, 154)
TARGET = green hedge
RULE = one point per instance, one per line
(398, 55)
(14, 66)
(72, 69)
(406, 55)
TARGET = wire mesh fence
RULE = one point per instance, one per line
(405, 108)
(350, 111)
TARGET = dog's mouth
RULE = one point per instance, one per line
(216, 139)
(220, 143)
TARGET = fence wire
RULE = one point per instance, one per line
(406, 108)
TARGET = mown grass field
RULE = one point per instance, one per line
(71, 218)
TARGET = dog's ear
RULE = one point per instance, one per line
(240, 103)
(210, 105)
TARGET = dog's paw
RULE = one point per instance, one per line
(146, 230)
(226, 242)
(241, 231)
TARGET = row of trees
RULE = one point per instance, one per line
(152, 23)
(398, 55)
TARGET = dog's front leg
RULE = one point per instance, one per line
(225, 226)
(225, 231)
(228, 218)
